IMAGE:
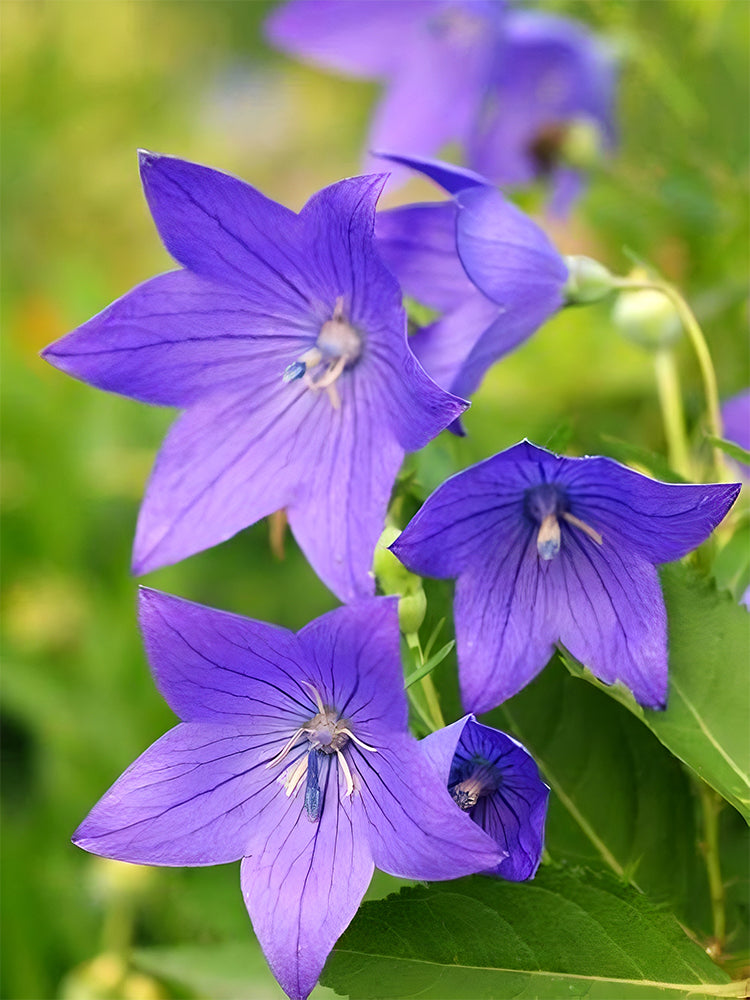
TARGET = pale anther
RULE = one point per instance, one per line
(548, 539)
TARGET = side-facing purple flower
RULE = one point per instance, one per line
(492, 272)
(506, 84)
(496, 781)
(292, 754)
(550, 549)
(552, 77)
(284, 339)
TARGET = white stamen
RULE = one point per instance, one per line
(316, 695)
(287, 747)
(347, 773)
(586, 528)
(358, 741)
(294, 776)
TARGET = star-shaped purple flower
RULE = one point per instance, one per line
(284, 339)
(495, 780)
(492, 272)
(505, 84)
(293, 755)
(550, 549)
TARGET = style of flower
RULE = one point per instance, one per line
(508, 85)
(284, 339)
(293, 755)
(496, 781)
(550, 549)
(486, 266)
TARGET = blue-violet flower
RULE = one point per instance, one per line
(550, 549)
(292, 754)
(284, 339)
(496, 781)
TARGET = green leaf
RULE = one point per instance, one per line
(221, 971)
(731, 568)
(705, 723)
(567, 933)
(633, 454)
(430, 664)
(730, 448)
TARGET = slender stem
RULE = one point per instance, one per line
(711, 805)
(695, 334)
(672, 411)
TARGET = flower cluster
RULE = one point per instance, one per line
(282, 336)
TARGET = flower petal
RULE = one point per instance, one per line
(223, 228)
(508, 256)
(175, 338)
(414, 827)
(224, 464)
(447, 175)
(505, 629)
(190, 799)
(662, 521)
(611, 615)
(362, 644)
(304, 882)
(213, 666)
(418, 243)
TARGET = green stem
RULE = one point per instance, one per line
(672, 410)
(711, 805)
(695, 335)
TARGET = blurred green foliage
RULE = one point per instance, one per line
(84, 85)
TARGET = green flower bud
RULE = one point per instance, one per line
(588, 280)
(411, 611)
(581, 145)
(648, 318)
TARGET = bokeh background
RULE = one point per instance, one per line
(87, 82)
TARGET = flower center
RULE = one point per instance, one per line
(481, 779)
(545, 505)
(338, 347)
(326, 733)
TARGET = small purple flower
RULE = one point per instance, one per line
(293, 755)
(550, 549)
(495, 780)
(284, 339)
(491, 271)
(505, 84)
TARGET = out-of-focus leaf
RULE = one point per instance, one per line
(705, 722)
(731, 568)
(633, 454)
(730, 448)
(567, 933)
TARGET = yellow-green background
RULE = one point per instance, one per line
(84, 84)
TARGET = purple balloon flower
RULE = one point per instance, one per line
(503, 83)
(550, 549)
(293, 755)
(495, 780)
(284, 339)
(483, 263)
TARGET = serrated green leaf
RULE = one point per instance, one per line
(705, 723)
(566, 934)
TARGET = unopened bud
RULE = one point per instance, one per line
(411, 611)
(648, 318)
(395, 578)
(588, 280)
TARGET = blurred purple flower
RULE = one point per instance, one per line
(479, 260)
(284, 339)
(293, 755)
(495, 779)
(547, 548)
(505, 84)
(735, 415)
